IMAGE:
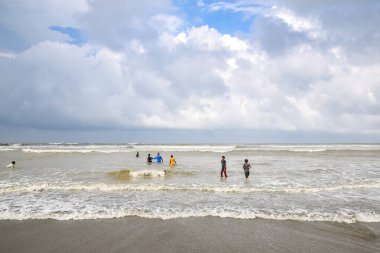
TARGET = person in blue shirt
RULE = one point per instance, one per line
(158, 158)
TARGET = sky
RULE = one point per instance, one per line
(181, 71)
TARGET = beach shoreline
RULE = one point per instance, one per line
(194, 234)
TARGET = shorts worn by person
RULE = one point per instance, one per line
(246, 167)
(224, 167)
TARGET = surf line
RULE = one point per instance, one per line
(45, 186)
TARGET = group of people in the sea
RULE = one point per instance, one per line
(173, 162)
(159, 159)
(223, 171)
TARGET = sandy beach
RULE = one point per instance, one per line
(208, 234)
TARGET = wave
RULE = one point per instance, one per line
(82, 151)
(64, 143)
(7, 149)
(44, 186)
(298, 215)
(188, 148)
(66, 148)
(126, 173)
(131, 147)
(309, 148)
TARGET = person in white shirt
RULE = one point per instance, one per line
(11, 165)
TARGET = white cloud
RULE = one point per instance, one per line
(204, 37)
(141, 66)
(169, 23)
(249, 7)
(114, 23)
(298, 24)
(7, 55)
(25, 23)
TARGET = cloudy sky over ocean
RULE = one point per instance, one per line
(183, 71)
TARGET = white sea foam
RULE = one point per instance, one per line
(349, 216)
(147, 173)
(82, 151)
(187, 148)
(125, 148)
(7, 149)
(64, 143)
(309, 147)
(43, 186)
(77, 148)
(132, 147)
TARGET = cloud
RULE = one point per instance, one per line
(303, 67)
(25, 23)
(249, 7)
(56, 85)
(114, 23)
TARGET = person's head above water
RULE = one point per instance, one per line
(13, 162)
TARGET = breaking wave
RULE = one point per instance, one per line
(132, 147)
(45, 186)
(348, 216)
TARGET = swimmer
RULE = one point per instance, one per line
(149, 159)
(246, 167)
(159, 158)
(224, 167)
(172, 161)
(11, 165)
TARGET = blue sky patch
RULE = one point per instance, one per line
(224, 20)
(75, 34)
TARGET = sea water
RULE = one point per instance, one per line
(83, 181)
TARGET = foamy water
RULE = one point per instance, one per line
(86, 181)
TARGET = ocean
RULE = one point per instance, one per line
(63, 181)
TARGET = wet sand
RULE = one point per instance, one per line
(208, 234)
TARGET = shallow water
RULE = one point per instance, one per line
(299, 182)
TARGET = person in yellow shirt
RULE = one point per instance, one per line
(172, 161)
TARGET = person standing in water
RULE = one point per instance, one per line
(137, 155)
(11, 165)
(159, 158)
(246, 167)
(149, 159)
(172, 161)
(224, 167)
